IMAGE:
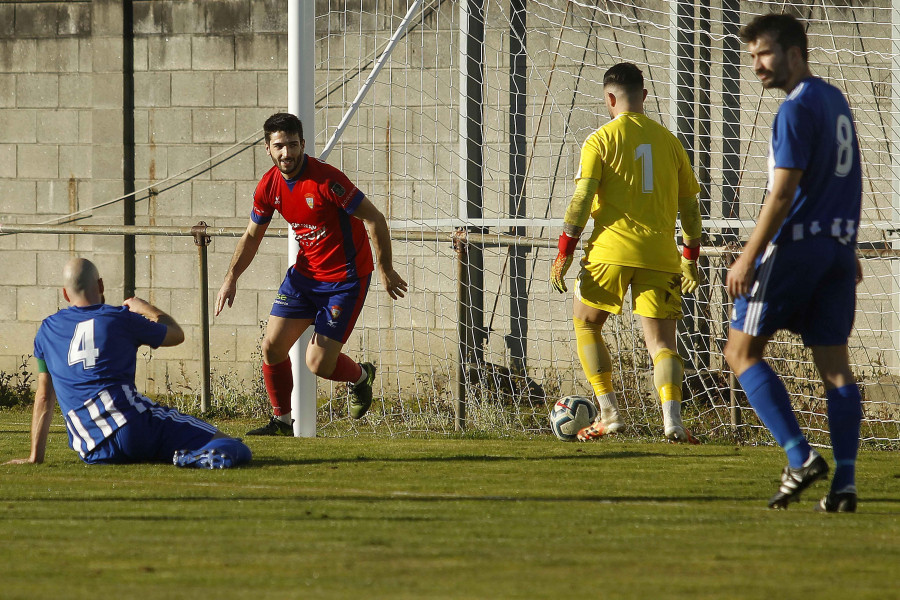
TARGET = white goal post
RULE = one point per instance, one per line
(472, 132)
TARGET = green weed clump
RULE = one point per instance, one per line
(15, 387)
(230, 395)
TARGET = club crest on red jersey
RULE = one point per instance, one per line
(310, 201)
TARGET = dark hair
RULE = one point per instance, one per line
(626, 76)
(785, 30)
(285, 122)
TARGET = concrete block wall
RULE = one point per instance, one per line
(45, 124)
(206, 75)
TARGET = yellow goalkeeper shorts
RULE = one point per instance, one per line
(654, 294)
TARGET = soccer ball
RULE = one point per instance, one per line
(571, 414)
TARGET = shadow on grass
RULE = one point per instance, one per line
(271, 461)
(355, 496)
(300, 516)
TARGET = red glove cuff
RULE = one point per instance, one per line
(567, 244)
(691, 253)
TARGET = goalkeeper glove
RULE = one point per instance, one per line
(563, 261)
(690, 274)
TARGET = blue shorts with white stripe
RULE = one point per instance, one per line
(152, 436)
(807, 286)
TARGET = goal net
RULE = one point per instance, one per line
(468, 140)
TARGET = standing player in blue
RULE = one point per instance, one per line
(799, 269)
(86, 360)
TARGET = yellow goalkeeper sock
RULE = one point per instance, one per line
(668, 371)
(597, 365)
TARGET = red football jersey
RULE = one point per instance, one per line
(318, 204)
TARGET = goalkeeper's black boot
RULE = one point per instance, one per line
(844, 501)
(275, 426)
(794, 481)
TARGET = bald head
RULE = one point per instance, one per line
(81, 282)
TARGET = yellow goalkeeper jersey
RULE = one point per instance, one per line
(643, 170)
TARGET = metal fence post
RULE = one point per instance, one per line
(736, 417)
(202, 240)
(464, 324)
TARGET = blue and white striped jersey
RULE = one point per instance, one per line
(91, 355)
(814, 131)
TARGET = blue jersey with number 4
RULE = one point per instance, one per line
(91, 355)
(814, 132)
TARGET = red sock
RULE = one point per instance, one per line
(279, 384)
(346, 369)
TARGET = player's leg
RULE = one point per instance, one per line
(668, 374)
(772, 403)
(325, 359)
(599, 292)
(844, 418)
(785, 281)
(338, 308)
(292, 312)
(281, 334)
(657, 300)
(766, 393)
(220, 452)
(834, 304)
(157, 433)
(597, 366)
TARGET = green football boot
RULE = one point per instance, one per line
(362, 392)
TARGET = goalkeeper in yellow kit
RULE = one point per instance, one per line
(634, 180)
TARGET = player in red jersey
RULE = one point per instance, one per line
(327, 285)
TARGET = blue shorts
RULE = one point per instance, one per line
(152, 436)
(334, 306)
(808, 287)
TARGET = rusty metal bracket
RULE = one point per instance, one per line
(201, 237)
(460, 240)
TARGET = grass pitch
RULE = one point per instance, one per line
(439, 518)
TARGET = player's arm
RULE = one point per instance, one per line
(174, 333)
(774, 211)
(377, 226)
(44, 402)
(244, 253)
(691, 222)
(691, 231)
(577, 215)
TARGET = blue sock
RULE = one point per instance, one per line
(233, 447)
(770, 400)
(844, 416)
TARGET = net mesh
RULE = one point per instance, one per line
(441, 146)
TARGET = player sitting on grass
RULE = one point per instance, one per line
(87, 355)
(634, 180)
